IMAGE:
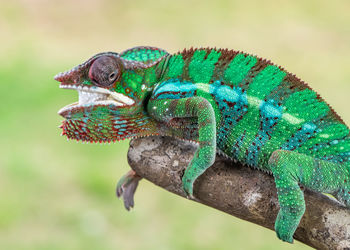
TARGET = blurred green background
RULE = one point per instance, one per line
(56, 194)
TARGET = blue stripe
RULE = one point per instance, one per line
(173, 88)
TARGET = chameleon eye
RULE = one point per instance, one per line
(112, 76)
(104, 71)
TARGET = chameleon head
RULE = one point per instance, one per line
(108, 100)
(96, 81)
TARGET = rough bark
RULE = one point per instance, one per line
(238, 190)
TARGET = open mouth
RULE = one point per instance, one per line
(94, 96)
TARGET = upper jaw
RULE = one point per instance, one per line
(90, 96)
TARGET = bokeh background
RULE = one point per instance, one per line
(56, 194)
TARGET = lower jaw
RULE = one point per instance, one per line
(70, 110)
(106, 125)
(93, 131)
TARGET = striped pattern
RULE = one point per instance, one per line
(259, 107)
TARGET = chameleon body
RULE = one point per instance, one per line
(230, 102)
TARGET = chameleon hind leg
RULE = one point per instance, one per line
(199, 108)
(343, 193)
(291, 168)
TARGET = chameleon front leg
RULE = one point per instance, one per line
(165, 110)
(291, 168)
(126, 188)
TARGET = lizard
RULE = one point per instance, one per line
(228, 102)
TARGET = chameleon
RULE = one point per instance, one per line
(228, 102)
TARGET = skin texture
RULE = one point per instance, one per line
(229, 102)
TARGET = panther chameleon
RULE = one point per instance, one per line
(227, 101)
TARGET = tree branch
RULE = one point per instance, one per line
(240, 191)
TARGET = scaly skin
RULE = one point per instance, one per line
(241, 105)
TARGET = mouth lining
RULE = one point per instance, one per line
(92, 96)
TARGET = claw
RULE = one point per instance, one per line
(126, 188)
(286, 238)
(282, 228)
(187, 186)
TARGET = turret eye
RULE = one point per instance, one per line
(112, 77)
(105, 70)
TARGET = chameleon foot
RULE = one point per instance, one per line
(282, 228)
(126, 188)
(187, 186)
